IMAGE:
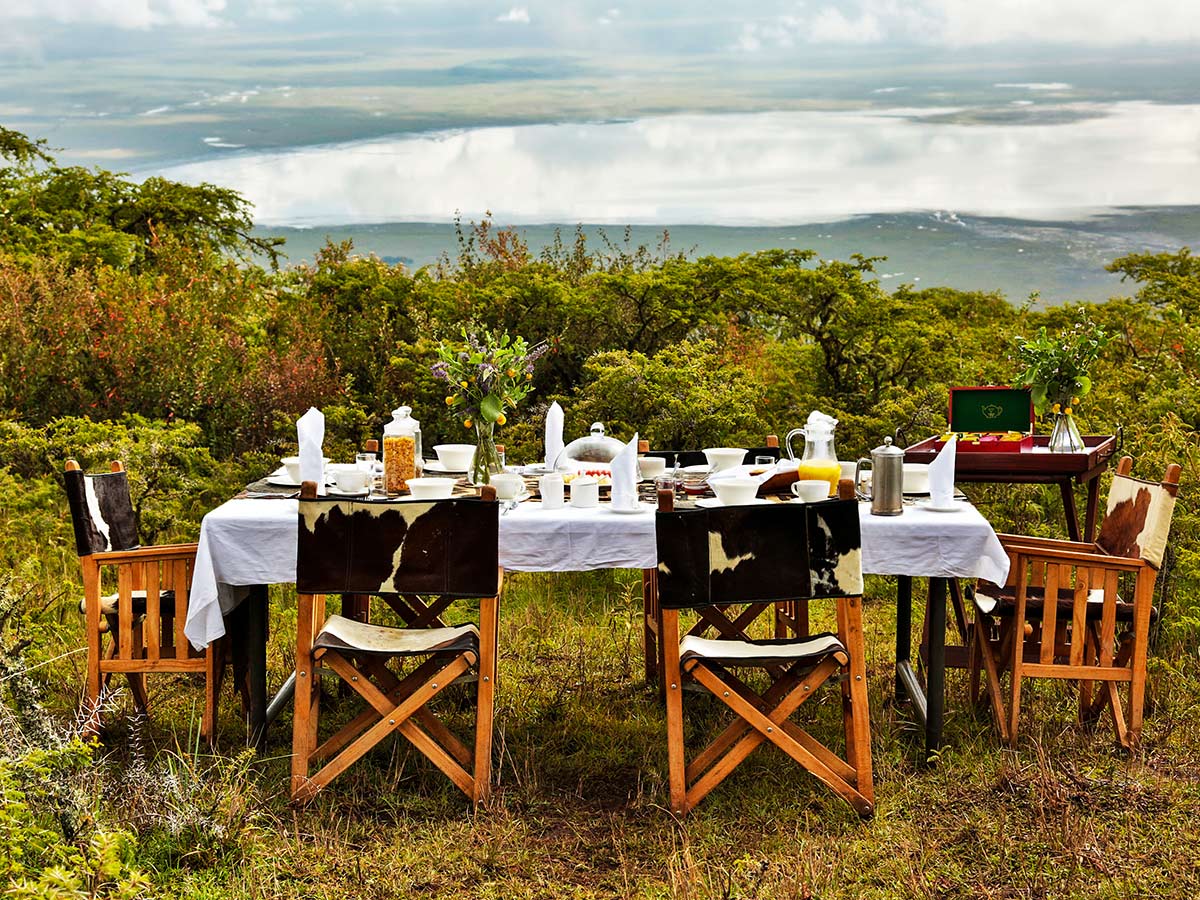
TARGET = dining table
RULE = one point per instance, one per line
(248, 543)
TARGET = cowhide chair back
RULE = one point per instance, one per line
(141, 620)
(1079, 612)
(1138, 515)
(418, 557)
(444, 547)
(760, 555)
(716, 556)
(101, 510)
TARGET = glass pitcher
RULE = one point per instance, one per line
(818, 461)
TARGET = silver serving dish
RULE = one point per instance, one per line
(594, 450)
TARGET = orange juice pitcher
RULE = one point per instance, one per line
(818, 461)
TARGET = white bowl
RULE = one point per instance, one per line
(724, 457)
(292, 464)
(431, 488)
(351, 479)
(455, 457)
(736, 491)
(651, 466)
(811, 490)
(507, 485)
(916, 478)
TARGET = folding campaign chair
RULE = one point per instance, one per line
(1061, 614)
(143, 619)
(764, 554)
(398, 552)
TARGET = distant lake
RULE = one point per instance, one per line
(1043, 161)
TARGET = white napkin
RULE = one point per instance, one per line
(941, 476)
(624, 476)
(310, 431)
(554, 430)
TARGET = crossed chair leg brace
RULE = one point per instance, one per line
(396, 705)
(764, 718)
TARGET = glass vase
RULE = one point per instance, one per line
(1064, 434)
(487, 459)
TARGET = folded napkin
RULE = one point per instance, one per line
(554, 430)
(625, 477)
(941, 476)
(310, 431)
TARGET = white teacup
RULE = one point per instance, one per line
(810, 490)
(351, 480)
(292, 464)
(431, 488)
(736, 491)
(651, 466)
(507, 485)
(585, 492)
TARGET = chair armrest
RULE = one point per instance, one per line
(1021, 540)
(146, 554)
(1077, 558)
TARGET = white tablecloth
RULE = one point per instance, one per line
(245, 542)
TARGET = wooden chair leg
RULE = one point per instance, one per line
(855, 709)
(649, 622)
(672, 683)
(992, 674)
(304, 700)
(485, 697)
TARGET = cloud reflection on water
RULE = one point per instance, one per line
(736, 169)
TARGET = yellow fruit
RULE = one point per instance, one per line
(466, 423)
(511, 373)
(450, 400)
(500, 420)
(528, 376)
(1056, 408)
(464, 384)
(1067, 410)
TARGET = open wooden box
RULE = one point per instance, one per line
(992, 419)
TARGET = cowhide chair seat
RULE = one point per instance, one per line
(400, 552)
(138, 629)
(1097, 631)
(760, 556)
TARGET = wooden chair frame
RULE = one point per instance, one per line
(394, 703)
(763, 718)
(1081, 646)
(149, 644)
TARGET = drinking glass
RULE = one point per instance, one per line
(764, 461)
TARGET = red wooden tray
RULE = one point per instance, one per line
(1033, 464)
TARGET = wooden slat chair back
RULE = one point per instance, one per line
(142, 619)
(1080, 611)
(764, 555)
(400, 552)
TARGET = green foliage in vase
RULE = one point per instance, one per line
(1058, 366)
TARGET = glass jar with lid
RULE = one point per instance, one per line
(594, 450)
(401, 450)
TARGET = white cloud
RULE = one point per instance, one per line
(518, 15)
(973, 23)
(609, 17)
(127, 14)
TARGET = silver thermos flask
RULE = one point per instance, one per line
(887, 479)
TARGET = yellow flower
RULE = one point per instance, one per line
(500, 420)
(466, 423)
(1067, 410)
(450, 400)
(511, 373)
(1074, 401)
(528, 376)
(1056, 408)
(464, 384)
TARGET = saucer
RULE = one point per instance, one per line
(284, 481)
(334, 491)
(625, 511)
(714, 503)
(928, 505)
(432, 465)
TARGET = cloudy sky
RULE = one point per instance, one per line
(757, 27)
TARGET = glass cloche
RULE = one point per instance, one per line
(595, 450)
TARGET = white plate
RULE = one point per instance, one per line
(637, 510)
(714, 503)
(928, 505)
(284, 481)
(333, 491)
(432, 465)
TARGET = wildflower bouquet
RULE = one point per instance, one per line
(1058, 369)
(487, 374)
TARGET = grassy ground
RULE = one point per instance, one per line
(581, 811)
